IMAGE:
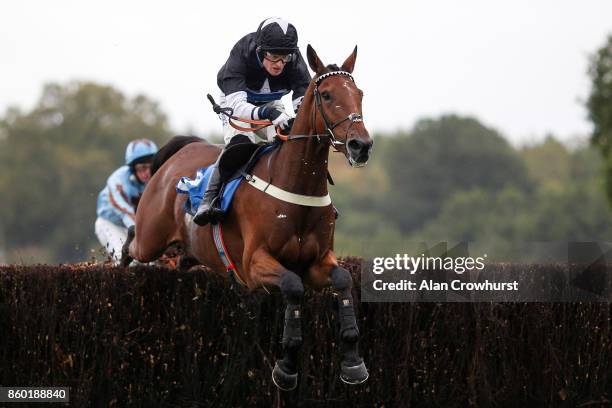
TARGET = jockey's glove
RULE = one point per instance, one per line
(277, 116)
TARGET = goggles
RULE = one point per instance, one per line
(274, 58)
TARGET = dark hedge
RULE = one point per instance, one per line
(156, 337)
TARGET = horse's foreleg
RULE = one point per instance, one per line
(353, 369)
(267, 270)
(285, 370)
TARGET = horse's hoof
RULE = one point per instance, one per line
(355, 374)
(283, 379)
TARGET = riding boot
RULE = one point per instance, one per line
(209, 209)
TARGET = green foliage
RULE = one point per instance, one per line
(512, 217)
(55, 159)
(548, 163)
(599, 105)
(551, 193)
(441, 157)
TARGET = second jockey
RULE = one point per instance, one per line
(118, 200)
(262, 67)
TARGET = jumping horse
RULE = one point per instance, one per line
(274, 241)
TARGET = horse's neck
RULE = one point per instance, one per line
(300, 166)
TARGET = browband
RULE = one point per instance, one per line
(332, 73)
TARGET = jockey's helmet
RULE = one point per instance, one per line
(276, 36)
(139, 150)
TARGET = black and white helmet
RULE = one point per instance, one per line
(277, 36)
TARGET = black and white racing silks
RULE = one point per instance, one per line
(247, 85)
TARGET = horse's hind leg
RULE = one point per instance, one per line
(187, 261)
(126, 259)
(153, 236)
(353, 369)
(284, 374)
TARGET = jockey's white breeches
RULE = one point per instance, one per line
(111, 237)
(264, 135)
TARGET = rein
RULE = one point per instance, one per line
(261, 124)
(229, 112)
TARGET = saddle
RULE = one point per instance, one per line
(236, 161)
(241, 158)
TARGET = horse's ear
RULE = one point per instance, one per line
(313, 60)
(349, 64)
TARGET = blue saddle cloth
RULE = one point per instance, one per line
(195, 188)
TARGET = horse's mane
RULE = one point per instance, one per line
(174, 145)
(333, 67)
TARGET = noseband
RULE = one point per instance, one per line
(352, 117)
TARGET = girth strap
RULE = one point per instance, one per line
(223, 253)
(299, 199)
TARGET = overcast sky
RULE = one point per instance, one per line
(518, 66)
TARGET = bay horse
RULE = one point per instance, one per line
(274, 243)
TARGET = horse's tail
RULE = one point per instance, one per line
(174, 145)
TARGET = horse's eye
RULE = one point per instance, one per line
(326, 95)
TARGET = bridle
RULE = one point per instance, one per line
(329, 127)
(352, 117)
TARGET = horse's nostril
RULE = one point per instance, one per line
(355, 145)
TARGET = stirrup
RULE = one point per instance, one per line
(211, 215)
(215, 215)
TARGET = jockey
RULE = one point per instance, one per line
(118, 200)
(262, 67)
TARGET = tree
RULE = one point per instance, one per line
(55, 159)
(548, 163)
(511, 219)
(599, 106)
(441, 157)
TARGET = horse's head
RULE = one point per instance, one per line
(338, 108)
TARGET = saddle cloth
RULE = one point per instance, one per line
(196, 187)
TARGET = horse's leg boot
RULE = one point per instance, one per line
(352, 367)
(126, 259)
(284, 373)
(209, 210)
(283, 379)
(353, 375)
